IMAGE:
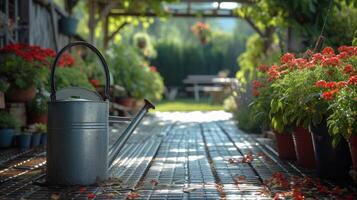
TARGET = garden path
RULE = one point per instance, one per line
(172, 155)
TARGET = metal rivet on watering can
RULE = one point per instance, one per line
(77, 150)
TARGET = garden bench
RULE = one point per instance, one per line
(212, 84)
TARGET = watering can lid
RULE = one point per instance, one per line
(77, 94)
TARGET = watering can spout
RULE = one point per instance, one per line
(119, 144)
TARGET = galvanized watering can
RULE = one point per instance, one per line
(78, 125)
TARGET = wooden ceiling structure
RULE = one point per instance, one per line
(102, 10)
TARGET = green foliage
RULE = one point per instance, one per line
(71, 76)
(21, 73)
(180, 53)
(253, 57)
(40, 128)
(143, 41)
(341, 25)
(38, 105)
(8, 121)
(131, 71)
(3, 85)
(247, 120)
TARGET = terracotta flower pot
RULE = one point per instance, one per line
(127, 101)
(353, 149)
(20, 95)
(303, 147)
(285, 146)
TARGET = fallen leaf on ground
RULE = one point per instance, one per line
(55, 196)
(154, 182)
(133, 195)
(91, 196)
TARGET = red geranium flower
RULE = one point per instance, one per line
(257, 84)
(287, 58)
(263, 68)
(349, 69)
(321, 83)
(328, 51)
(352, 80)
(332, 61)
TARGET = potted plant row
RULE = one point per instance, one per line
(313, 96)
(8, 124)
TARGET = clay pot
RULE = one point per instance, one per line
(126, 101)
(20, 95)
(303, 147)
(285, 146)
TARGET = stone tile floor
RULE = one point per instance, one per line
(191, 155)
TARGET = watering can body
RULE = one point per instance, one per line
(77, 148)
(78, 125)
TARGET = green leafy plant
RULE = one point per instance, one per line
(38, 105)
(303, 91)
(20, 73)
(40, 128)
(133, 73)
(3, 85)
(8, 121)
(71, 76)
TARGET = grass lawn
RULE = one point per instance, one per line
(187, 105)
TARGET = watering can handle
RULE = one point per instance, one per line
(96, 51)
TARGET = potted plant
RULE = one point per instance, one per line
(68, 25)
(342, 98)
(141, 40)
(8, 124)
(132, 73)
(202, 31)
(37, 131)
(37, 109)
(42, 129)
(24, 140)
(268, 107)
(291, 109)
(3, 87)
(20, 64)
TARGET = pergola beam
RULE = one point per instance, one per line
(175, 14)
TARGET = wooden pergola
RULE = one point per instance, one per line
(105, 9)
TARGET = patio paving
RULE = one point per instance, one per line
(194, 155)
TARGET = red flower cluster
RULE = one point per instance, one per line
(153, 69)
(33, 53)
(95, 82)
(256, 86)
(66, 60)
(349, 70)
(28, 52)
(263, 68)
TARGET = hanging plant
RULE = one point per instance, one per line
(202, 31)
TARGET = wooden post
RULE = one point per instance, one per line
(91, 22)
(106, 32)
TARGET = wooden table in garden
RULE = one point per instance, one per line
(212, 84)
